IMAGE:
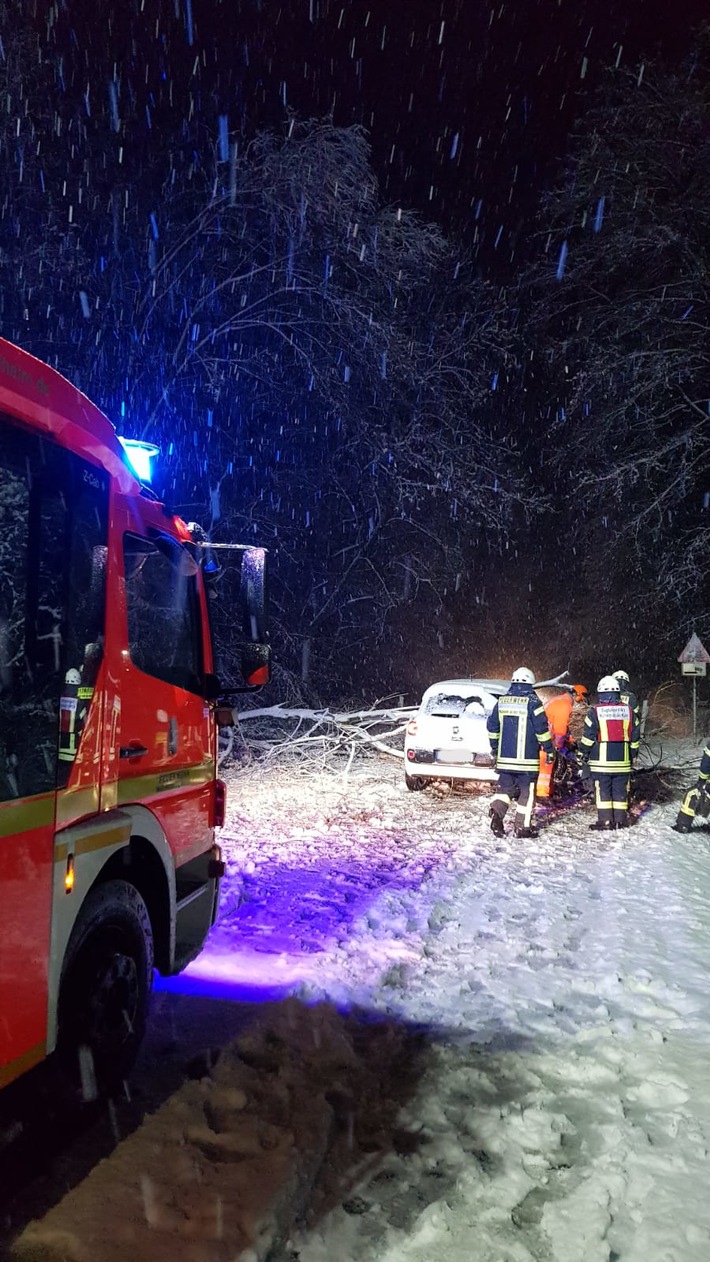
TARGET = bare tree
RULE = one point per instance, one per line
(325, 368)
(323, 373)
(620, 302)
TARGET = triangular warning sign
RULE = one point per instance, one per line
(694, 651)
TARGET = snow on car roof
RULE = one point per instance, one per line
(467, 687)
(496, 687)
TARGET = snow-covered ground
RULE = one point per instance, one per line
(516, 1069)
(564, 1110)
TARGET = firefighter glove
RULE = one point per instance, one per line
(551, 756)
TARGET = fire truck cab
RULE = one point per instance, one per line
(109, 797)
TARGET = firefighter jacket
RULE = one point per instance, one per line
(704, 773)
(518, 730)
(630, 699)
(611, 736)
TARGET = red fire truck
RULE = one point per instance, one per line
(109, 797)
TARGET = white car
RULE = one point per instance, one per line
(448, 738)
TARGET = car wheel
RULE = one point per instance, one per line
(414, 783)
(105, 988)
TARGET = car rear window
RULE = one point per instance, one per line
(446, 705)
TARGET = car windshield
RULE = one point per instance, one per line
(447, 705)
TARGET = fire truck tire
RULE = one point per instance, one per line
(105, 988)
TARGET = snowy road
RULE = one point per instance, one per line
(565, 1109)
(558, 1109)
(567, 1112)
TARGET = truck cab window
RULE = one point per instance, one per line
(164, 635)
(18, 702)
(52, 541)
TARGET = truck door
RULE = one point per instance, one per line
(166, 734)
(52, 531)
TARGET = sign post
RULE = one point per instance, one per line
(694, 661)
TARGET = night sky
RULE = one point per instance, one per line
(468, 103)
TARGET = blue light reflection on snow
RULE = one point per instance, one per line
(287, 918)
(203, 986)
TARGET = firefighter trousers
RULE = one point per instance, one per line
(518, 787)
(611, 791)
(696, 801)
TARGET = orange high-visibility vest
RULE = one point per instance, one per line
(557, 711)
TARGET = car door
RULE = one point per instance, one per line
(165, 734)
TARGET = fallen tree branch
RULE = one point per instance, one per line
(297, 731)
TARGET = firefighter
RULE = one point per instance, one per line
(697, 799)
(69, 725)
(610, 742)
(580, 706)
(557, 712)
(75, 701)
(518, 730)
(627, 696)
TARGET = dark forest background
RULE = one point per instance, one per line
(455, 466)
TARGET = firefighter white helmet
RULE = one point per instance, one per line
(72, 676)
(609, 683)
(522, 676)
(621, 675)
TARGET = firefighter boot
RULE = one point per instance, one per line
(689, 806)
(496, 822)
(683, 824)
(526, 832)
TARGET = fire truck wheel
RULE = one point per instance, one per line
(105, 988)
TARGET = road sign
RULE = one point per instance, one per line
(693, 661)
(694, 651)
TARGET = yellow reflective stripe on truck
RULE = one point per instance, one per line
(26, 1061)
(137, 788)
(73, 804)
(20, 815)
(114, 835)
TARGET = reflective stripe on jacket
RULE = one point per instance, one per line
(611, 736)
(518, 730)
(630, 698)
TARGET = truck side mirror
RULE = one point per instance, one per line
(238, 612)
(256, 664)
(253, 595)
